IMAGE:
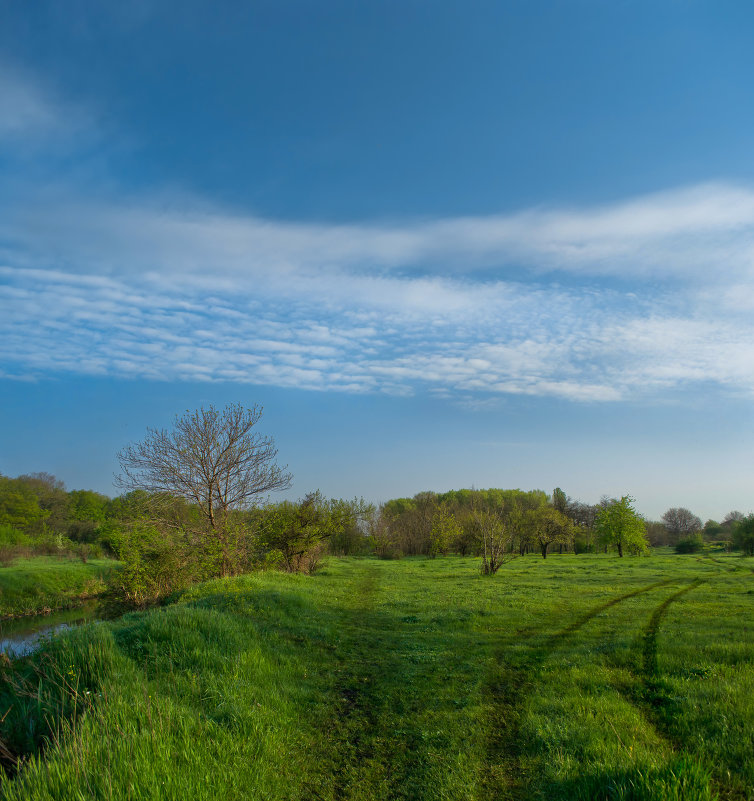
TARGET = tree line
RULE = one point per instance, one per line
(494, 523)
(39, 516)
(196, 505)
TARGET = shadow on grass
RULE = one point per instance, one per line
(509, 684)
(683, 780)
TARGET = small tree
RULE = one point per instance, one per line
(712, 530)
(212, 459)
(495, 537)
(444, 532)
(547, 526)
(619, 524)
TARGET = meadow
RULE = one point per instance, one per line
(576, 677)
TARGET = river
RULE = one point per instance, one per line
(20, 636)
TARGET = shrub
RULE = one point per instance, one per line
(84, 531)
(299, 531)
(582, 545)
(155, 564)
(743, 536)
(691, 544)
(16, 544)
(86, 551)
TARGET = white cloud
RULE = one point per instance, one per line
(656, 291)
(693, 234)
(463, 307)
(540, 341)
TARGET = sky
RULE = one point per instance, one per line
(443, 244)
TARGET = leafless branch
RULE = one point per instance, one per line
(210, 458)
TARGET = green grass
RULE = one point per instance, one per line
(587, 677)
(43, 583)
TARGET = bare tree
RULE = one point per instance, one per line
(681, 522)
(210, 458)
(732, 518)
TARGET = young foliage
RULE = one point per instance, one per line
(444, 532)
(297, 531)
(618, 524)
(694, 543)
(155, 564)
(496, 536)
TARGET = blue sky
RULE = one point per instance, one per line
(444, 244)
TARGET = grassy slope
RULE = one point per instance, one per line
(577, 677)
(30, 586)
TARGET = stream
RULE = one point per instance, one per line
(20, 636)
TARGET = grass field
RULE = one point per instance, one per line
(578, 677)
(43, 583)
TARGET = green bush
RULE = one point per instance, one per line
(743, 536)
(155, 564)
(12, 536)
(694, 543)
(582, 545)
(86, 551)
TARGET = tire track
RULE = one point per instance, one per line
(653, 697)
(649, 649)
(507, 689)
(584, 619)
(730, 568)
(648, 697)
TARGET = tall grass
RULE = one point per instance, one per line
(582, 677)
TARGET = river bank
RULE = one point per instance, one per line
(42, 585)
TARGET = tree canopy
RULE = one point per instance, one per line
(620, 525)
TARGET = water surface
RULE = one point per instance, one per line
(20, 636)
